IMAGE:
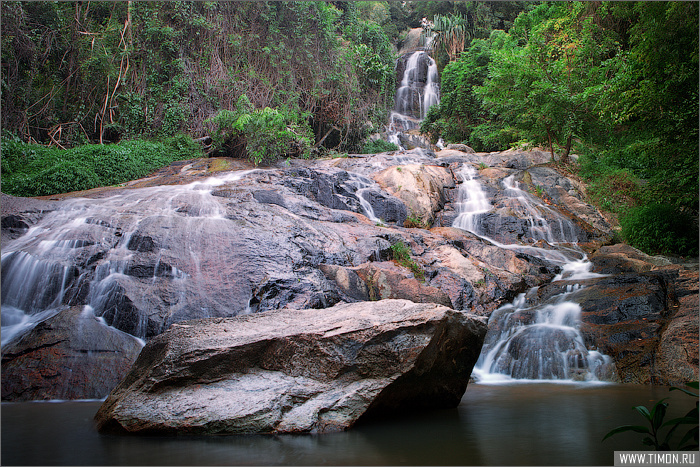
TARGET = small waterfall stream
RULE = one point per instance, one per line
(530, 339)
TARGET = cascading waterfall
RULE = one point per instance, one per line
(417, 92)
(471, 201)
(99, 253)
(39, 267)
(529, 340)
(362, 185)
(540, 228)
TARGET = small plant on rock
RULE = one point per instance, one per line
(413, 221)
(401, 253)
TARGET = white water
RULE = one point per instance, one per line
(471, 201)
(528, 340)
(413, 100)
(38, 268)
(553, 229)
(362, 185)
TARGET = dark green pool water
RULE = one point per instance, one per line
(512, 424)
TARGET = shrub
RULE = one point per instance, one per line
(261, 135)
(655, 420)
(34, 170)
(380, 145)
(661, 229)
(614, 189)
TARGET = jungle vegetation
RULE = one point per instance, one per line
(615, 83)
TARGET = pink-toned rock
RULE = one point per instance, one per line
(297, 371)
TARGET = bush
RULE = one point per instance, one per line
(374, 147)
(261, 135)
(34, 170)
(614, 189)
(661, 229)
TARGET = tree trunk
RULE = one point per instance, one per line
(567, 149)
(551, 146)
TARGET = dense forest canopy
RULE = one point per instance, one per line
(614, 82)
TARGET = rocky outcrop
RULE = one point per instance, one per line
(420, 187)
(303, 234)
(643, 314)
(303, 371)
(71, 355)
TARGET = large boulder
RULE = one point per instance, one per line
(297, 371)
(71, 355)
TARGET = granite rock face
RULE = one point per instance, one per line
(71, 355)
(644, 314)
(297, 371)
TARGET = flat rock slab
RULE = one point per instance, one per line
(314, 370)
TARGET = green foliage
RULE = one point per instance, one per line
(655, 419)
(616, 82)
(401, 253)
(34, 170)
(261, 135)
(377, 146)
(462, 115)
(661, 229)
(449, 34)
(615, 190)
(549, 73)
(108, 71)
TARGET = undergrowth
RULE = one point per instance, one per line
(380, 145)
(35, 170)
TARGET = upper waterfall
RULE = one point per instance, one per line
(417, 90)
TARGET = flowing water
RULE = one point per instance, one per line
(495, 424)
(414, 97)
(39, 267)
(529, 339)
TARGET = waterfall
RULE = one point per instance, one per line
(418, 90)
(40, 273)
(471, 201)
(530, 339)
(543, 222)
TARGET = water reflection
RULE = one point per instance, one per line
(512, 424)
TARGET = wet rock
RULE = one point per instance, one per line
(460, 147)
(622, 258)
(18, 214)
(71, 355)
(647, 322)
(303, 371)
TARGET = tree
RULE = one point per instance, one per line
(448, 33)
(654, 98)
(549, 72)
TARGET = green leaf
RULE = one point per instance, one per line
(658, 412)
(644, 411)
(623, 428)
(681, 421)
(692, 434)
(693, 385)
